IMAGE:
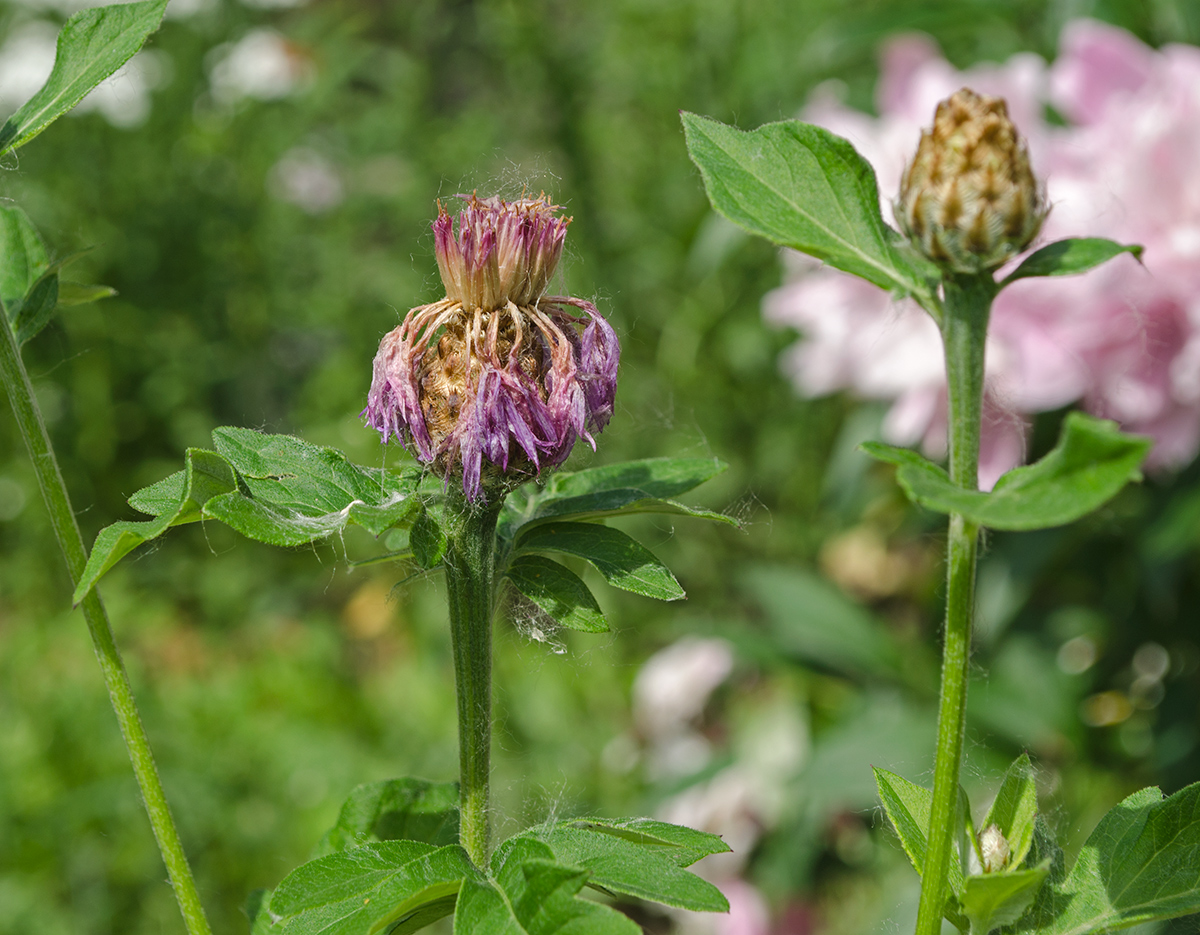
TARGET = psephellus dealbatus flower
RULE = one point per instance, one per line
(969, 200)
(497, 381)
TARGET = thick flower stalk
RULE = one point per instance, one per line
(497, 381)
(969, 200)
(490, 386)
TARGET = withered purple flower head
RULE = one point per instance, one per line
(497, 380)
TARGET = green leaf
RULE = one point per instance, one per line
(206, 476)
(531, 894)
(616, 489)
(74, 293)
(634, 864)
(1066, 257)
(908, 807)
(92, 45)
(392, 887)
(314, 490)
(31, 311)
(257, 911)
(803, 187)
(623, 562)
(812, 620)
(258, 518)
(1092, 461)
(992, 900)
(36, 308)
(1142, 863)
(412, 809)
(622, 502)
(427, 540)
(273, 488)
(1014, 810)
(655, 477)
(557, 591)
(682, 845)
(23, 257)
(163, 496)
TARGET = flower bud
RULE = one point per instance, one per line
(994, 849)
(969, 200)
(496, 381)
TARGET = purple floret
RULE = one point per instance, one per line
(495, 374)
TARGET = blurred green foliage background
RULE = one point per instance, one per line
(252, 293)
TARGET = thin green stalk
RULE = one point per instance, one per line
(964, 331)
(120, 693)
(470, 566)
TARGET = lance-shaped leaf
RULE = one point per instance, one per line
(622, 561)
(28, 281)
(656, 477)
(1092, 461)
(680, 844)
(273, 488)
(613, 490)
(1014, 810)
(1067, 257)
(532, 894)
(23, 257)
(908, 807)
(558, 591)
(91, 46)
(625, 858)
(207, 475)
(36, 308)
(395, 809)
(992, 900)
(75, 293)
(1141, 863)
(46, 294)
(393, 887)
(622, 502)
(802, 187)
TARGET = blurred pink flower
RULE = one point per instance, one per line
(748, 913)
(669, 695)
(1124, 340)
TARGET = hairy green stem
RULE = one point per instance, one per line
(470, 566)
(964, 332)
(116, 679)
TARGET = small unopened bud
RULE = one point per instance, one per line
(969, 200)
(993, 846)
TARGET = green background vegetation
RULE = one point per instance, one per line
(272, 682)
